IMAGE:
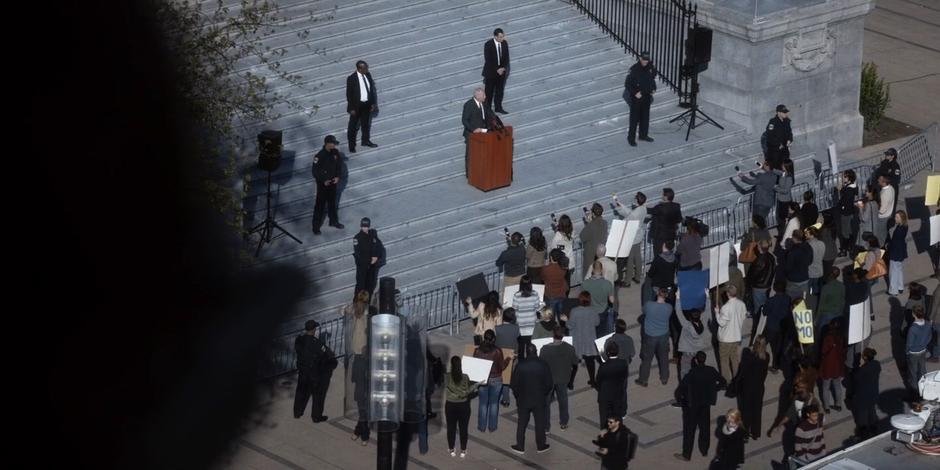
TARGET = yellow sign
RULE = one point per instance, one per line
(933, 190)
(803, 318)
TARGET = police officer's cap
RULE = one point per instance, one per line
(330, 139)
(645, 55)
(891, 152)
(782, 109)
(365, 222)
(311, 325)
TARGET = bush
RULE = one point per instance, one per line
(875, 96)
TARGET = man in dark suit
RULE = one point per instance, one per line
(610, 379)
(315, 364)
(531, 385)
(361, 102)
(475, 117)
(697, 393)
(495, 69)
(666, 217)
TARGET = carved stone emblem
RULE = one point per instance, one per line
(809, 49)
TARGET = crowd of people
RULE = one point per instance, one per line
(864, 233)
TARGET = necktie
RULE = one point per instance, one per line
(498, 61)
(366, 82)
(482, 112)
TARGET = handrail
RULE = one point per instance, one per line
(442, 307)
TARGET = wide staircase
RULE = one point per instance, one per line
(564, 95)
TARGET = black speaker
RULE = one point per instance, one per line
(269, 150)
(698, 49)
(387, 295)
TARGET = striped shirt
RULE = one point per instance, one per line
(809, 440)
(526, 308)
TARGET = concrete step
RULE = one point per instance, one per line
(302, 54)
(409, 270)
(539, 124)
(294, 204)
(401, 94)
(443, 119)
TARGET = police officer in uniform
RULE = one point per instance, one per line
(890, 169)
(315, 364)
(327, 164)
(639, 87)
(778, 137)
(369, 255)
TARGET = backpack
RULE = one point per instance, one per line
(632, 441)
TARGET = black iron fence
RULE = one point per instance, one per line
(442, 307)
(658, 26)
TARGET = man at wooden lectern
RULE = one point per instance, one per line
(475, 119)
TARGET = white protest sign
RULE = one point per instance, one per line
(737, 255)
(859, 322)
(833, 158)
(510, 291)
(620, 238)
(718, 257)
(599, 344)
(477, 369)
(543, 341)
(935, 229)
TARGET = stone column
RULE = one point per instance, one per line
(806, 54)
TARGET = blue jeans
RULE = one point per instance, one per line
(488, 411)
(556, 305)
(561, 394)
(759, 298)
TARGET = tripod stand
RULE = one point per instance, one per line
(266, 228)
(694, 111)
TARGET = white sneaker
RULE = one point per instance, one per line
(453, 453)
(463, 454)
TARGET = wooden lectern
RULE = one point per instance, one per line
(491, 159)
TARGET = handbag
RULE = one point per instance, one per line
(878, 269)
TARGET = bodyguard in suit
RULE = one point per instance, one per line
(495, 69)
(361, 102)
(531, 384)
(640, 85)
(315, 364)
(697, 393)
(611, 379)
(475, 117)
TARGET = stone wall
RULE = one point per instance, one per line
(806, 56)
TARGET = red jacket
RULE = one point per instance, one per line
(832, 365)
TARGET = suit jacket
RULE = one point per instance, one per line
(352, 91)
(532, 382)
(610, 379)
(666, 217)
(866, 384)
(472, 118)
(700, 387)
(490, 64)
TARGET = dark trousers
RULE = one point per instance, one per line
(466, 157)
(750, 404)
(362, 120)
(639, 115)
(654, 346)
(589, 362)
(494, 88)
(367, 277)
(776, 155)
(457, 414)
(561, 396)
(326, 199)
(866, 420)
(362, 430)
(540, 421)
(608, 408)
(782, 209)
(310, 386)
(692, 419)
(774, 338)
